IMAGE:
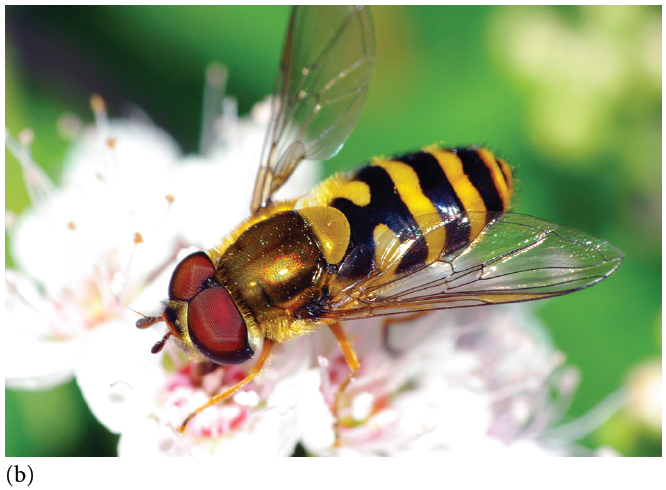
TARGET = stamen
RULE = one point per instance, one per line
(214, 88)
(99, 110)
(111, 162)
(107, 143)
(227, 126)
(37, 183)
(592, 420)
(170, 199)
(138, 239)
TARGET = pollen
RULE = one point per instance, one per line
(97, 104)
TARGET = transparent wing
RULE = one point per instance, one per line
(320, 91)
(514, 258)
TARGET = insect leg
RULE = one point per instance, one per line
(268, 344)
(389, 320)
(352, 362)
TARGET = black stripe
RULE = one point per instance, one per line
(434, 183)
(385, 207)
(436, 187)
(479, 176)
(414, 258)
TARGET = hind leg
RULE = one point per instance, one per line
(354, 365)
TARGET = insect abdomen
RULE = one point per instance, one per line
(408, 195)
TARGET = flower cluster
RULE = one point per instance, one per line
(479, 380)
(129, 207)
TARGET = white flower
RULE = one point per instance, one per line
(107, 240)
(644, 394)
(76, 250)
(474, 380)
(152, 395)
(130, 207)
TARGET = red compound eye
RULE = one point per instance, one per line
(217, 328)
(189, 276)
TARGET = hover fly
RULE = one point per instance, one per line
(412, 233)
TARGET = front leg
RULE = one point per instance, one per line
(268, 345)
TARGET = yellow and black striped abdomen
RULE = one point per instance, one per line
(406, 195)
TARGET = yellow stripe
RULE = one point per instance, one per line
(425, 214)
(389, 251)
(356, 191)
(501, 185)
(385, 246)
(468, 194)
(508, 174)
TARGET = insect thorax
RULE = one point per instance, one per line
(272, 269)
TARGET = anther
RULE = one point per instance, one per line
(97, 104)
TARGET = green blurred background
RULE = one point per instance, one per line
(570, 96)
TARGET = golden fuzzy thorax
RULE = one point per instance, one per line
(275, 262)
(216, 252)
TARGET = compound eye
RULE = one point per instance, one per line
(217, 328)
(189, 276)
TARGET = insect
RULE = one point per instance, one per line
(417, 232)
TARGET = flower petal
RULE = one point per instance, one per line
(118, 377)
